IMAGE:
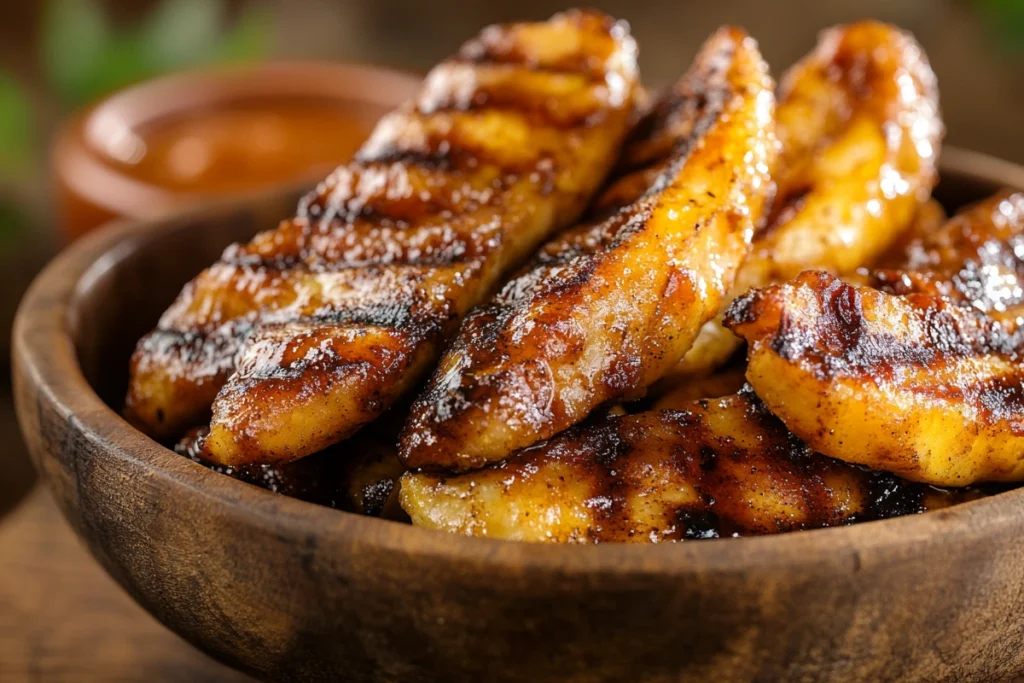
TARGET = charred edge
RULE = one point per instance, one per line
(1001, 398)
(580, 260)
(439, 157)
(533, 110)
(396, 316)
(701, 98)
(365, 250)
(452, 255)
(303, 370)
(595, 240)
(554, 282)
(841, 342)
(238, 258)
(194, 347)
(743, 310)
(496, 45)
(316, 479)
(609, 440)
(697, 453)
(440, 154)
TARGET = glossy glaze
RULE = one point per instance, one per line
(708, 469)
(975, 259)
(312, 330)
(604, 310)
(860, 131)
(915, 384)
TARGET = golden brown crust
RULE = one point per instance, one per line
(917, 384)
(975, 259)
(713, 468)
(313, 329)
(860, 130)
(607, 308)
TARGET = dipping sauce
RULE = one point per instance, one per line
(164, 145)
(244, 145)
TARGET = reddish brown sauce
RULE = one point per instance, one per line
(244, 145)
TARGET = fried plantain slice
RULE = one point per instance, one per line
(313, 329)
(974, 259)
(860, 129)
(915, 384)
(919, 373)
(712, 468)
(606, 309)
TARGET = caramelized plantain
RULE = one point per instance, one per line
(975, 259)
(922, 378)
(713, 468)
(606, 309)
(859, 129)
(313, 329)
(915, 384)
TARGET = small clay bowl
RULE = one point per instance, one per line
(96, 180)
(291, 591)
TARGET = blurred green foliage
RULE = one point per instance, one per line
(13, 224)
(85, 56)
(1004, 19)
(17, 141)
(17, 146)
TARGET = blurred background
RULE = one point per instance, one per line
(57, 57)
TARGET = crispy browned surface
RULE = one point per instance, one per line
(313, 329)
(975, 259)
(606, 309)
(714, 468)
(859, 128)
(916, 385)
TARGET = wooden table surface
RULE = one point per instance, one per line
(61, 617)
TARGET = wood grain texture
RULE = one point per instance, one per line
(292, 591)
(62, 619)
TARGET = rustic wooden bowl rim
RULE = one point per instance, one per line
(54, 369)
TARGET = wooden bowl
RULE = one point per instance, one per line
(291, 591)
